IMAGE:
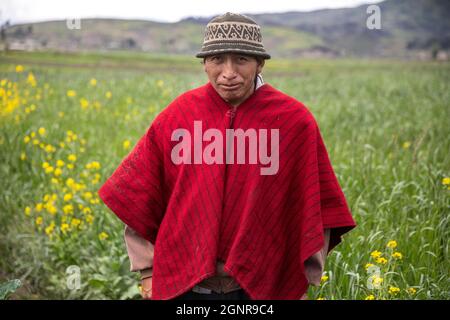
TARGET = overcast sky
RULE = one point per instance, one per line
(18, 11)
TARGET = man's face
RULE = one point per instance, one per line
(233, 75)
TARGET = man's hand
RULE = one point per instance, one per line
(146, 290)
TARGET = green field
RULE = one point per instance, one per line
(386, 125)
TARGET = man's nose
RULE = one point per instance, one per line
(229, 71)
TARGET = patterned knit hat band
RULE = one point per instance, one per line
(233, 33)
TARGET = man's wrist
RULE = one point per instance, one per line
(146, 273)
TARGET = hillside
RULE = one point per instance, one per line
(408, 29)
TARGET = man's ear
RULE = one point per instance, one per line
(260, 65)
(203, 62)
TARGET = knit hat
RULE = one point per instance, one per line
(232, 32)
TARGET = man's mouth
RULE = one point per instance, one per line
(230, 87)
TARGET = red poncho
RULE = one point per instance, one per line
(262, 226)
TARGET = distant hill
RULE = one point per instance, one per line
(419, 28)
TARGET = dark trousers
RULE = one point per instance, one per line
(233, 295)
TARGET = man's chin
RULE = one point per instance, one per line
(230, 96)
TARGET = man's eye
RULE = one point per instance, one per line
(243, 59)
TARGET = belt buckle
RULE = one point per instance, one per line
(199, 289)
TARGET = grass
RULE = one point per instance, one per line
(385, 125)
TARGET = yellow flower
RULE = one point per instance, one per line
(31, 79)
(370, 297)
(49, 148)
(19, 68)
(394, 290)
(75, 222)
(376, 254)
(87, 195)
(60, 163)
(49, 229)
(93, 82)
(68, 209)
(320, 298)
(79, 186)
(412, 290)
(406, 144)
(108, 94)
(41, 131)
(45, 165)
(64, 227)
(26, 139)
(381, 260)
(35, 141)
(89, 218)
(126, 144)
(58, 172)
(27, 211)
(84, 103)
(51, 209)
(324, 278)
(39, 207)
(49, 169)
(70, 182)
(68, 197)
(39, 220)
(392, 244)
(87, 210)
(446, 181)
(23, 156)
(160, 83)
(93, 165)
(377, 281)
(55, 181)
(71, 93)
(61, 114)
(70, 166)
(397, 255)
(103, 236)
(72, 157)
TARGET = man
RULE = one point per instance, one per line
(230, 193)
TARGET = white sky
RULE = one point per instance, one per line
(18, 11)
